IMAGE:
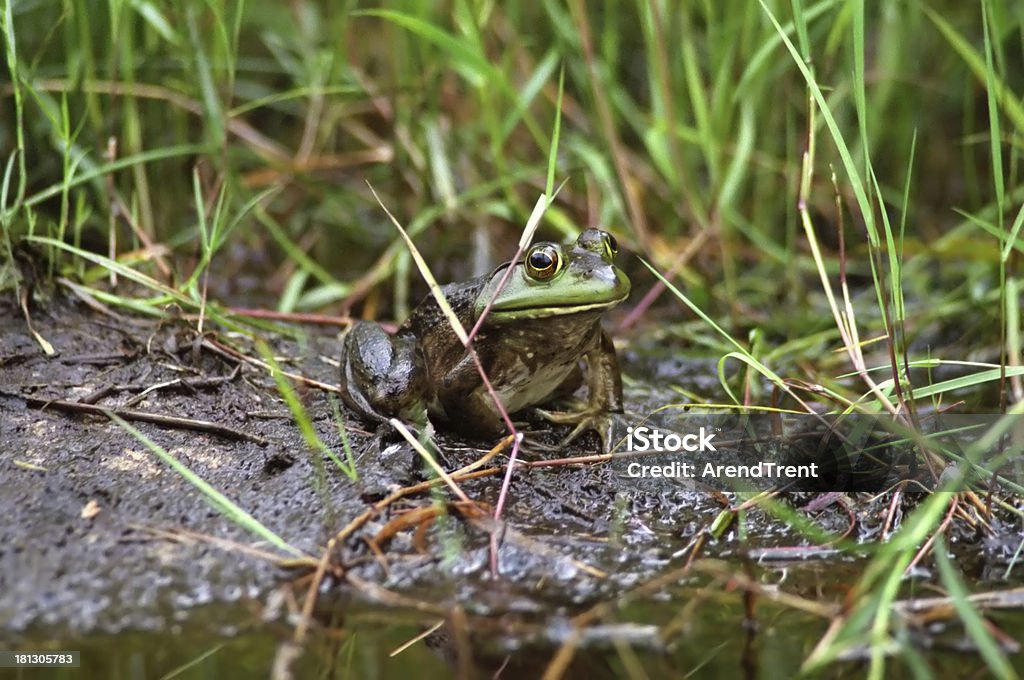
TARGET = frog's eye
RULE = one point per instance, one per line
(543, 262)
(611, 244)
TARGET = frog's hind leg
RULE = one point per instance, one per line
(382, 376)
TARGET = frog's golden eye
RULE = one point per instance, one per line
(543, 262)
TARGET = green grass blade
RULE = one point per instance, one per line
(467, 60)
(301, 416)
(856, 182)
(1006, 98)
(166, 153)
(963, 382)
(974, 625)
(216, 499)
(555, 136)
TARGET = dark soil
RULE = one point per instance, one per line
(115, 570)
(111, 571)
(157, 557)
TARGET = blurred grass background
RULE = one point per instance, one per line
(237, 138)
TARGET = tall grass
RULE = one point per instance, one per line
(677, 123)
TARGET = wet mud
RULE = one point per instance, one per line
(101, 539)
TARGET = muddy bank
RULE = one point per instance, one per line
(111, 570)
(102, 540)
(85, 502)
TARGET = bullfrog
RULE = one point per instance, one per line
(540, 326)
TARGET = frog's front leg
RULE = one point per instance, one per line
(604, 384)
(605, 379)
(466, 405)
(382, 376)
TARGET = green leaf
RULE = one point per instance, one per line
(215, 498)
(974, 624)
(466, 58)
(1006, 97)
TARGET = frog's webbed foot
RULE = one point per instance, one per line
(593, 419)
(541, 437)
(534, 443)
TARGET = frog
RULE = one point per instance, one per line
(539, 328)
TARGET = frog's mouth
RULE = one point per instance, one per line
(589, 289)
(547, 311)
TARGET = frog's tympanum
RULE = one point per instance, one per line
(545, 320)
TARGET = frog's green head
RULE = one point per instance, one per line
(558, 280)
